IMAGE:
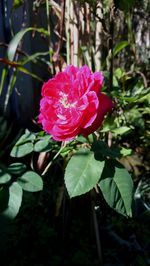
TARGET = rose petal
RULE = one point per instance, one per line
(72, 104)
(105, 106)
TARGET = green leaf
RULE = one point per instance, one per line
(14, 202)
(126, 152)
(128, 98)
(22, 150)
(24, 145)
(119, 47)
(17, 3)
(82, 173)
(3, 77)
(121, 130)
(43, 144)
(81, 139)
(26, 137)
(117, 187)
(17, 38)
(115, 82)
(10, 87)
(16, 168)
(134, 117)
(34, 57)
(4, 176)
(102, 150)
(31, 181)
(119, 73)
(26, 71)
(109, 124)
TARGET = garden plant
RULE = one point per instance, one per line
(74, 174)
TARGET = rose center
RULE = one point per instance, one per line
(64, 101)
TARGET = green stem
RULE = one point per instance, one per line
(54, 158)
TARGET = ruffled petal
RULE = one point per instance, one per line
(72, 103)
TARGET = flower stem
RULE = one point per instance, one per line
(56, 155)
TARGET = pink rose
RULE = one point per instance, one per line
(72, 103)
